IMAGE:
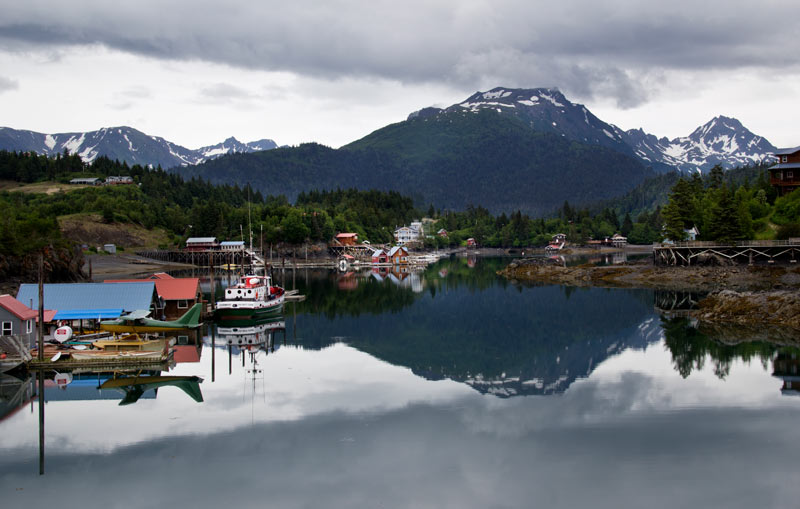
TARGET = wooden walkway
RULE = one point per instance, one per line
(743, 252)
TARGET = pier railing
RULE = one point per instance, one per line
(738, 243)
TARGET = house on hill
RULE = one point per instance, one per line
(785, 176)
(347, 239)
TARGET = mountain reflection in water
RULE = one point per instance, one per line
(397, 392)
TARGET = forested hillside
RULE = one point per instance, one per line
(451, 160)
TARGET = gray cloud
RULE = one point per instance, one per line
(590, 49)
(7, 84)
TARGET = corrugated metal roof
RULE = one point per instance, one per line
(69, 296)
(87, 314)
(785, 166)
(197, 240)
(232, 243)
(787, 151)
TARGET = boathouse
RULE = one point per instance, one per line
(176, 294)
(380, 256)
(785, 176)
(16, 318)
(92, 301)
(201, 244)
(229, 246)
(398, 255)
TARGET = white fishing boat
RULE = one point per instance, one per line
(252, 298)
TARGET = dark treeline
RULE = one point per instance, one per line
(732, 205)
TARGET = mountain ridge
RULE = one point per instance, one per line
(123, 143)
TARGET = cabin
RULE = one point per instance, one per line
(398, 255)
(472, 242)
(110, 248)
(442, 233)
(76, 302)
(785, 176)
(231, 246)
(347, 239)
(200, 244)
(176, 295)
(17, 319)
(692, 233)
(380, 256)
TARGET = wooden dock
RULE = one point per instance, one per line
(743, 252)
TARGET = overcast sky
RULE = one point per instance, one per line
(198, 71)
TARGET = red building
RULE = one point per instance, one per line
(176, 294)
(347, 239)
(786, 174)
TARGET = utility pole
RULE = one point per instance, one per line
(40, 332)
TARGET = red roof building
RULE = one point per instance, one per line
(15, 317)
(347, 239)
(178, 294)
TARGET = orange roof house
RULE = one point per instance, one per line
(178, 294)
(347, 239)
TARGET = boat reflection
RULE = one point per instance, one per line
(250, 333)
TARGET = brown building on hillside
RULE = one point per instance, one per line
(347, 239)
(786, 174)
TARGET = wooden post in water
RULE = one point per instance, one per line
(40, 375)
(40, 329)
(90, 269)
(213, 351)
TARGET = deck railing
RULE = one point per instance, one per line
(739, 243)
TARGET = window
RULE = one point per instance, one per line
(29, 327)
(183, 304)
(8, 328)
(789, 175)
(784, 159)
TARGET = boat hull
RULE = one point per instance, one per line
(247, 310)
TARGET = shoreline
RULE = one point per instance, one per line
(746, 296)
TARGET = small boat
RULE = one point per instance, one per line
(252, 298)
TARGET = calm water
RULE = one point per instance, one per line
(450, 388)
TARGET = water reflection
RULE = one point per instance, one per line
(378, 394)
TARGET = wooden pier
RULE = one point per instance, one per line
(200, 258)
(743, 252)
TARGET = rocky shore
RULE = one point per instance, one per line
(736, 295)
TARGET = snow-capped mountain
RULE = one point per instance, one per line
(547, 109)
(123, 143)
(234, 146)
(723, 140)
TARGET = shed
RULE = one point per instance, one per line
(110, 248)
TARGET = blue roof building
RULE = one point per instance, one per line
(74, 301)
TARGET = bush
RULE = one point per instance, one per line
(788, 231)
